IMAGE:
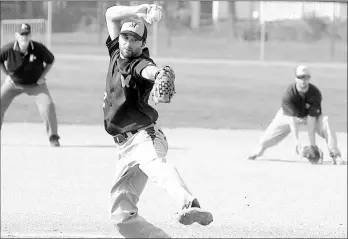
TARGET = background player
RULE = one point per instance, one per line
(301, 105)
(26, 64)
(131, 121)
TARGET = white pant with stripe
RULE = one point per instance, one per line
(140, 158)
(280, 128)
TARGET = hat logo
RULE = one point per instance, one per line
(133, 24)
(24, 26)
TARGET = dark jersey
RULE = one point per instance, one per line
(294, 104)
(127, 93)
(26, 68)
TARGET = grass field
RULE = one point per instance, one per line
(215, 119)
(196, 45)
(229, 96)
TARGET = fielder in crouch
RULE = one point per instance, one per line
(131, 121)
(27, 64)
(301, 105)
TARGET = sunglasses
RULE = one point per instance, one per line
(303, 77)
(25, 34)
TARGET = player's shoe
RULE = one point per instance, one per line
(54, 140)
(254, 156)
(336, 158)
(194, 213)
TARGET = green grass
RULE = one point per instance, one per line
(211, 46)
(208, 96)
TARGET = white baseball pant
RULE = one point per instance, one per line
(280, 128)
(140, 158)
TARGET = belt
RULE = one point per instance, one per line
(122, 138)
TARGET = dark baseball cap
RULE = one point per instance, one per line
(25, 29)
(135, 28)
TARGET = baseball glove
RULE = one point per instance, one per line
(164, 88)
(313, 154)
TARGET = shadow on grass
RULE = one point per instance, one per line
(294, 161)
(280, 160)
(76, 146)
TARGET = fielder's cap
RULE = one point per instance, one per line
(302, 70)
(135, 28)
(25, 29)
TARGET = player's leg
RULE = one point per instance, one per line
(8, 93)
(47, 111)
(278, 129)
(153, 163)
(325, 130)
(128, 185)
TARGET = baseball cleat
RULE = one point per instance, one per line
(336, 159)
(54, 141)
(253, 156)
(340, 161)
(191, 215)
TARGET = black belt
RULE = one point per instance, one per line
(121, 138)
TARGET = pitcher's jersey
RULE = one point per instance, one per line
(126, 94)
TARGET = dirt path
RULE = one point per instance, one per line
(63, 192)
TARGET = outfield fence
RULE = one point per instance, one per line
(235, 30)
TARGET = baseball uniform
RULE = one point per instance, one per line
(296, 104)
(142, 145)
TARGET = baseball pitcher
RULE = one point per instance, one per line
(26, 63)
(301, 105)
(132, 122)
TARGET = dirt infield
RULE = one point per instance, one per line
(63, 192)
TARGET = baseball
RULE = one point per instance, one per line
(154, 13)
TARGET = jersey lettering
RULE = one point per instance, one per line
(125, 82)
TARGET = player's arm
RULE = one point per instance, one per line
(149, 72)
(115, 14)
(313, 112)
(295, 128)
(48, 59)
(47, 68)
(290, 110)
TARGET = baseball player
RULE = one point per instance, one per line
(301, 105)
(131, 121)
(26, 63)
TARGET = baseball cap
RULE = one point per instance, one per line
(302, 70)
(135, 28)
(25, 29)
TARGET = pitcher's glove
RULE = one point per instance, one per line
(164, 88)
(313, 154)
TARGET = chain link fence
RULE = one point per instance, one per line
(15, 13)
(239, 30)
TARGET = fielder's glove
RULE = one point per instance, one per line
(164, 88)
(313, 154)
